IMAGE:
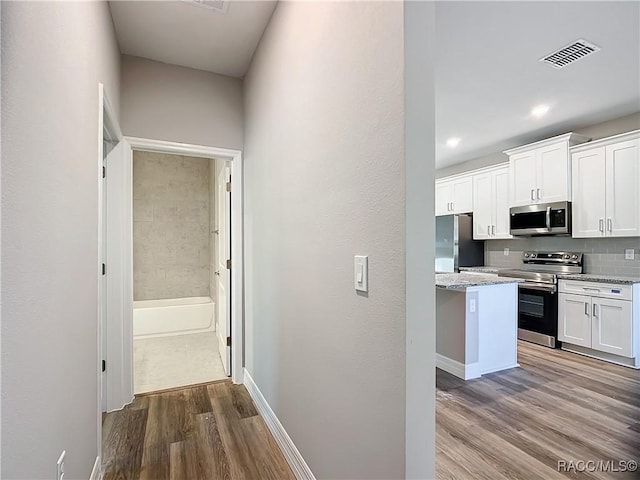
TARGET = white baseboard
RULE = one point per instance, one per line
(466, 372)
(96, 473)
(455, 368)
(299, 467)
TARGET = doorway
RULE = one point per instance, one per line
(181, 257)
(119, 325)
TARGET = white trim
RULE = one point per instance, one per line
(604, 356)
(96, 473)
(455, 368)
(572, 138)
(237, 271)
(466, 372)
(603, 142)
(293, 456)
(475, 171)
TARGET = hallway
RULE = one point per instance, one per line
(207, 431)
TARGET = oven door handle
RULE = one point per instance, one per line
(549, 218)
(537, 286)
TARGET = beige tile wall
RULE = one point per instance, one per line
(171, 209)
(601, 255)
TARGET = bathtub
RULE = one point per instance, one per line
(174, 316)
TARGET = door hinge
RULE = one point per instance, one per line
(104, 269)
(104, 365)
(228, 264)
(228, 341)
(228, 186)
(104, 172)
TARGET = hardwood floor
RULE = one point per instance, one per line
(520, 423)
(203, 432)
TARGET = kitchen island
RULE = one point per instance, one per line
(476, 323)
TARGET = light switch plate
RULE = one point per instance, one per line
(629, 254)
(361, 273)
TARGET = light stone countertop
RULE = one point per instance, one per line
(481, 269)
(461, 281)
(592, 277)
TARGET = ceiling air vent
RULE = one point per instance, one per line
(569, 54)
(218, 6)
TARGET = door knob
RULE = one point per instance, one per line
(217, 273)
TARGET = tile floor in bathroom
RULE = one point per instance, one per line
(167, 362)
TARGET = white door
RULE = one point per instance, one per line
(462, 195)
(443, 198)
(612, 326)
(553, 173)
(523, 178)
(482, 206)
(589, 197)
(103, 283)
(223, 273)
(623, 189)
(502, 217)
(574, 319)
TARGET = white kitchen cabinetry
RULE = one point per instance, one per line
(599, 319)
(454, 195)
(491, 204)
(541, 172)
(606, 187)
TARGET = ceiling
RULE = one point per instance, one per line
(488, 77)
(182, 33)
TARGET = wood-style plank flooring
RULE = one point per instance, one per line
(203, 432)
(519, 423)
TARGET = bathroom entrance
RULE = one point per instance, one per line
(181, 260)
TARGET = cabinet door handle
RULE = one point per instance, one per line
(609, 225)
(532, 195)
(488, 230)
(493, 229)
(594, 310)
(538, 193)
(586, 309)
(452, 206)
(601, 224)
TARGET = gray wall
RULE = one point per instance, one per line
(601, 255)
(179, 104)
(595, 132)
(324, 181)
(53, 56)
(171, 250)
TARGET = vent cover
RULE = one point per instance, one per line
(219, 6)
(569, 54)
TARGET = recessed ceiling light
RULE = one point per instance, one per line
(540, 110)
(453, 142)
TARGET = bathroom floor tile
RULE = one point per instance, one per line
(168, 362)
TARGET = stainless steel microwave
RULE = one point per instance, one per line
(541, 219)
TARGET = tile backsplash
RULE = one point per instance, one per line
(603, 256)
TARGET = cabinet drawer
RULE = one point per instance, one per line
(594, 289)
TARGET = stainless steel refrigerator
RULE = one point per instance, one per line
(455, 246)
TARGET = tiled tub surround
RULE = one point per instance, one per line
(602, 256)
(171, 252)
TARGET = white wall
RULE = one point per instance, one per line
(54, 54)
(179, 104)
(595, 132)
(324, 181)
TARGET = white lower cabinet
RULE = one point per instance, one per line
(611, 326)
(574, 319)
(590, 315)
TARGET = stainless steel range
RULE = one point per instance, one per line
(538, 294)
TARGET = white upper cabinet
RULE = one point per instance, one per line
(606, 187)
(454, 195)
(541, 172)
(491, 204)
